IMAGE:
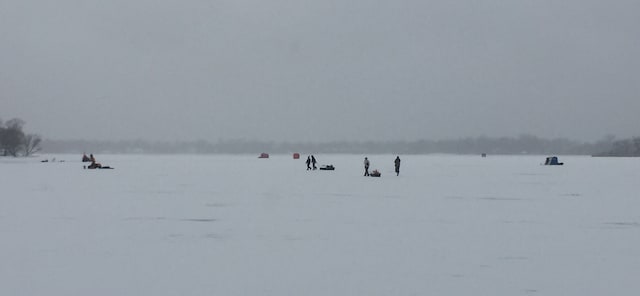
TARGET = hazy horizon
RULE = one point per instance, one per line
(606, 138)
(285, 70)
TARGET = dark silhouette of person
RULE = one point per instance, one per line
(397, 163)
(313, 162)
(308, 162)
(94, 164)
(366, 167)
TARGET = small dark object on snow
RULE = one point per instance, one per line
(375, 173)
(106, 167)
(328, 167)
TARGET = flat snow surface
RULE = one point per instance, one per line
(239, 225)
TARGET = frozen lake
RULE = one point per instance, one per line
(238, 225)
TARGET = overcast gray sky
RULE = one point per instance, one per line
(301, 70)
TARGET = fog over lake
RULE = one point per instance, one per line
(304, 70)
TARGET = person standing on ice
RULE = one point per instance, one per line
(313, 162)
(308, 163)
(366, 167)
(397, 163)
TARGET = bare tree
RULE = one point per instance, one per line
(31, 144)
(11, 137)
(15, 124)
(3, 152)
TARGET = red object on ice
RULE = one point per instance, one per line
(296, 156)
(264, 155)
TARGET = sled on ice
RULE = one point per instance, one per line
(328, 167)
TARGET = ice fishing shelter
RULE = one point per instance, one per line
(552, 160)
(264, 155)
(296, 156)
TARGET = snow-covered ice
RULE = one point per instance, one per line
(239, 225)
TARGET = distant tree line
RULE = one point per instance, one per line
(524, 144)
(628, 147)
(14, 142)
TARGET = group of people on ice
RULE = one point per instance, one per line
(311, 160)
(311, 165)
(376, 173)
(90, 158)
